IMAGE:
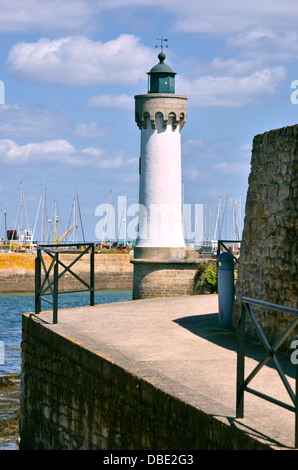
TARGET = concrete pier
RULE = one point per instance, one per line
(153, 374)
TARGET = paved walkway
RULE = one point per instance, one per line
(177, 345)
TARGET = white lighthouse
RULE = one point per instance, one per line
(160, 115)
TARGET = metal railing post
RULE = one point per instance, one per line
(242, 382)
(240, 365)
(37, 283)
(296, 404)
(43, 286)
(222, 243)
(55, 290)
(92, 276)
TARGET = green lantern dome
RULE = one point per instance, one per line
(161, 77)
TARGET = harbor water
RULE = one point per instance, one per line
(12, 306)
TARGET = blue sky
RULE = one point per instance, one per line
(71, 69)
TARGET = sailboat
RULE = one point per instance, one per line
(75, 219)
(42, 207)
(20, 237)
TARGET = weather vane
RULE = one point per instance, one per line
(161, 44)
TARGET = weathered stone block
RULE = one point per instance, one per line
(268, 255)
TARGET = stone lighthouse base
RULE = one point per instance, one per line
(164, 277)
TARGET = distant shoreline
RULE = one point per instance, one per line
(112, 271)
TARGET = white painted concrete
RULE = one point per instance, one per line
(160, 218)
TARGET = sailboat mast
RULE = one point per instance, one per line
(74, 237)
(235, 221)
(55, 221)
(110, 217)
(44, 215)
(217, 219)
(21, 208)
(125, 222)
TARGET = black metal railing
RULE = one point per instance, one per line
(222, 243)
(49, 284)
(242, 383)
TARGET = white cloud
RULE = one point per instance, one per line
(192, 144)
(230, 91)
(190, 16)
(103, 159)
(81, 61)
(230, 168)
(120, 102)
(227, 18)
(217, 159)
(260, 44)
(59, 15)
(89, 130)
(193, 173)
(244, 151)
(58, 153)
(20, 121)
(62, 15)
(217, 17)
(198, 149)
(232, 67)
(44, 121)
(13, 153)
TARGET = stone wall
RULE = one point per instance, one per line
(164, 278)
(112, 271)
(74, 398)
(268, 256)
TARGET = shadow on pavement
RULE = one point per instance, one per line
(207, 327)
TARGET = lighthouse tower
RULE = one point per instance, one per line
(161, 268)
(160, 115)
